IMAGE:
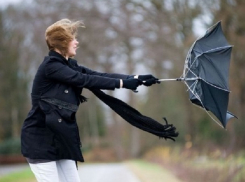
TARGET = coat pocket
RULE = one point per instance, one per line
(61, 121)
(61, 109)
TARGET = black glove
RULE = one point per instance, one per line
(131, 83)
(146, 77)
(148, 80)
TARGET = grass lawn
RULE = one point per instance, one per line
(21, 176)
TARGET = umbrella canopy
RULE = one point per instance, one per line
(206, 73)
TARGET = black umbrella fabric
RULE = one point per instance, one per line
(206, 73)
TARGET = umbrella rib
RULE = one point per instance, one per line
(214, 85)
(195, 83)
(203, 107)
(188, 56)
(218, 48)
(191, 48)
(189, 68)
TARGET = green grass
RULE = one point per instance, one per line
(21, 176)
(147, 171)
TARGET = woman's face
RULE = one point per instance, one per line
(72, 47)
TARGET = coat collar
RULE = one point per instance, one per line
(56, 54)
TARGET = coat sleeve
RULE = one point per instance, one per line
(92, 72)
(109, 75)
(58, 71)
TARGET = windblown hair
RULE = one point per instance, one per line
(59, 34)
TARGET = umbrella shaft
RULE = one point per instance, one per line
(178, 79)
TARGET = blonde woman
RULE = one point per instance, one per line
(50, 139)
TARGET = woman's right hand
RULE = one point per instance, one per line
(131, 83)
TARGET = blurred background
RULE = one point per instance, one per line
(131, 37)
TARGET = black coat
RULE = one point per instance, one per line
(50, 130)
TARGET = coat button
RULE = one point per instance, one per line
(66, 91)
(59, 120)
(60, 107)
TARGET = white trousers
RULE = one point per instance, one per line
(56, 171)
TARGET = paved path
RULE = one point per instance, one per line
(111, 172)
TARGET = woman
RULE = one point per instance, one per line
(50, 139)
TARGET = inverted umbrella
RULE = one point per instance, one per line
(206, 72)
